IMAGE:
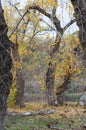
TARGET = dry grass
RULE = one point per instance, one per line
(67, 117)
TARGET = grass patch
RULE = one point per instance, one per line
(66, 117)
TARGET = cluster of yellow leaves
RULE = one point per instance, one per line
(52, 3)
(67, 61)
(17, 65)
(47, 3)
(23, 51)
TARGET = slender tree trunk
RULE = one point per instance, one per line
(80, 15)
(5, 67)
(19, 78)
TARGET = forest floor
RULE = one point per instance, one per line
(67, 117)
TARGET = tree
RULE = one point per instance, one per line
(68, 65)
(50, 75)
(17, 39)
(5, 66)
(80, 11)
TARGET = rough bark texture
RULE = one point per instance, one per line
(50, 83)
(80, 15)
(50, 75)
(62, 89)
(19, 79)
(5, 67)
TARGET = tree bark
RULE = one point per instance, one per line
(80, 15)
(50, 75)
(19, 79)
(62, 89)
(50, 83)
(5, 67)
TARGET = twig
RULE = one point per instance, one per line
(69, 24)
(18, 23)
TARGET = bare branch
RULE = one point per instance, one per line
(35, 7)
(14, 5)
(18, 23)
(55, 20)
(69, 24)
(48, 24)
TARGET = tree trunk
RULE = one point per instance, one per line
(62, 89)
(5, 67)
(19, 78)
(50, 75)
(80, 15)
(50, 84)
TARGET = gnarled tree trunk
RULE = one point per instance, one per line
(5, 67)
(80, 15)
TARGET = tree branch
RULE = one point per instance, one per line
(16, 10)
(48, 24)
(55, 20)
(69, 24)
(18, 23)
(35, 7)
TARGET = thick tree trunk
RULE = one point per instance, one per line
(62, 89)
(80, 15)
(19, 78)
(50, 79)
(50, 75)
(5, 67)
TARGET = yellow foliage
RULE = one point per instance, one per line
(23, 51)
(69, 61)
(52, 2)
(17, 65)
